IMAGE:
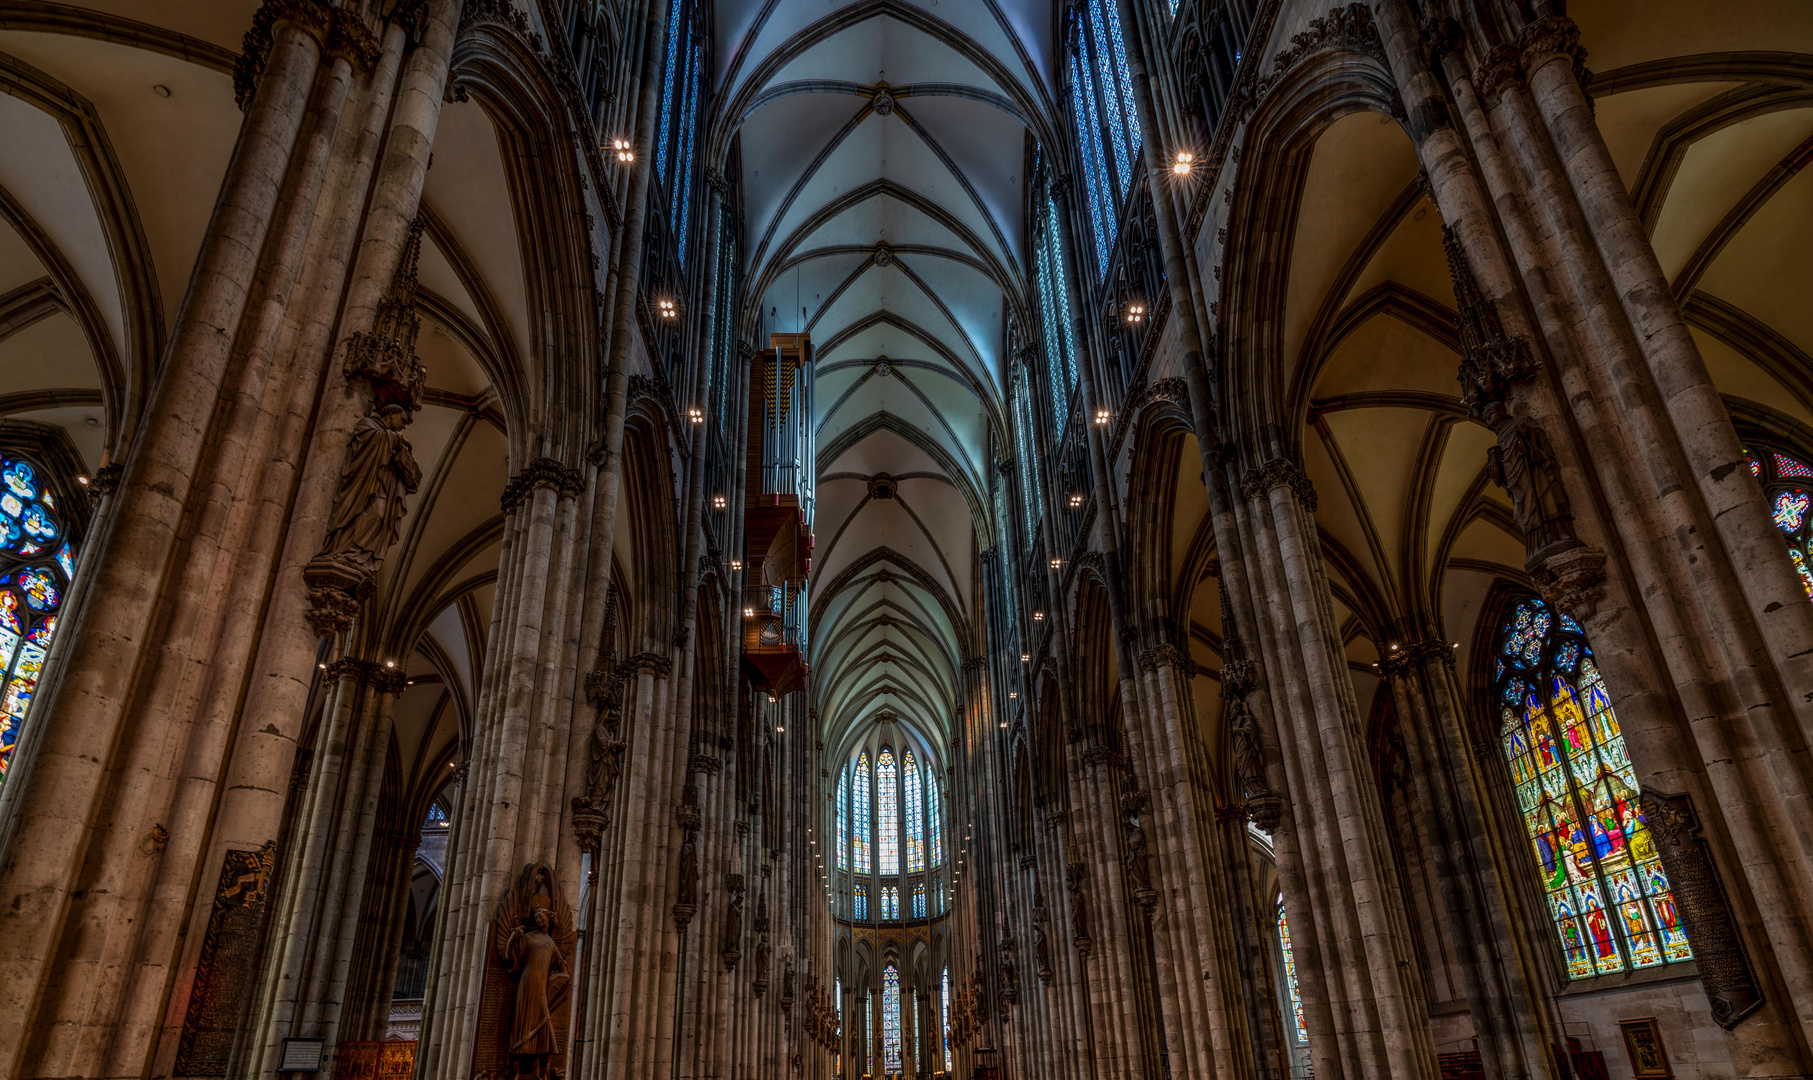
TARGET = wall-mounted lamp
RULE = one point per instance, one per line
(1184, 163)
(624, 153)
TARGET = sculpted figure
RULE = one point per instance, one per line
(1523, 463)
(532, 957)
(380, 472)
(1249, 763)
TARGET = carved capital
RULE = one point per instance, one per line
(337, 589)
(1238, 676)
(543, 472)
(589, 821)
(106, 480)
(1555, 37)
(1276, 473)
(1437, 36)
(705, 763)
(1167, 656)
(1501, 70)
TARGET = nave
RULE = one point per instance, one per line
(1065, 539)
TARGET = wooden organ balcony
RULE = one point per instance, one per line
(777, 513)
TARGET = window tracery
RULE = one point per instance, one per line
(1107, 122)
(859, 850)
(1607, 894)
(1300, 1033)
(915, 816)
(887, 807)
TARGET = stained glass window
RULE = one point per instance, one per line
(862, 903)
(1607, 894)
(1029, 475)
(36, 563)
(891, 1019)
(915, 816)
(944, 994)
(1107, 119)
(890, 903)
(689, 123)
(887, 811)
(437, 816)
(1788, 483)
(934, 814)
(837, 1002)
(919, 900)
(868, 1029)
(843, 819)
(1290, 972)
(1054, 312)
(859, 843)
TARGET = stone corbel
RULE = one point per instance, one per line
(1554, 37)
(1572, 580)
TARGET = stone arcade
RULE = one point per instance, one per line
(755, 539)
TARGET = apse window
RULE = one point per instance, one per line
(1607, 894)
(37, 564)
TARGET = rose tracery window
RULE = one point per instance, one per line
(1788, 484)
(37, 563)
(1607, 895)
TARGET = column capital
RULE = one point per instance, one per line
(543, 472)
(1167, 656)
(1279, 472)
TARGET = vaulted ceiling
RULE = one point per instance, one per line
(883, 149)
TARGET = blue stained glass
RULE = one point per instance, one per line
(890, 1019)
(934, 814)
(1089, 139)
(843, 819)
(689, 120)
(887, 807)
(674, 30)
(1105, 64)
(915, 816)
(1028, 493)
(919, 900)
(32, 579)
(1054, 374)
(859, 794)
(19, 479)
(862, 904)
(890, 904)
(1060, 284)
(67, 560)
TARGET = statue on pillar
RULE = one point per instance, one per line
(533, 936)
(1523, 463)
(380, 472)
(1249, 760)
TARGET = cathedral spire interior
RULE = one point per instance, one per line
(860, 539)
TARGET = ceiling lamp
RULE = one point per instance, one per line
(667, 308)
(1185, 161)
(624, 153)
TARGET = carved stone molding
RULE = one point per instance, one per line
(1238, 675)
(544, 472)
(1276, 473)
(705, 763)
(1438, 36)
(647, 663)
(1229, 814)
(1571, 579)
(336, 592)
(1346, 29)
(1104, 755)
(1492, 361)
(383, 359)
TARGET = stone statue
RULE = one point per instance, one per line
(1139, 862)
(1249, 762)
(1010, 971)
(1523, 463)
(689, 870)
(533, 936)
(379, 473)
(1041, 949)
(731, 950)
(1079, 907)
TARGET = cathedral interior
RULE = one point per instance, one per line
(1297, 565)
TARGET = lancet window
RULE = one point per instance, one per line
(919, 900)
(843, 819)
(944, 995)
(890, 1019)
(1054, 311)
(934, 815)
(859, 843)
(887, 811)
(1788, 483)
(890, 903)
(37, 563)
(1292, 995)
(1107, 122)
(1604, 885)
(677, 133)
(915, 816)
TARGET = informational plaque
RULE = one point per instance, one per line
(229, 958)
(1718, 949)
(301, 1055)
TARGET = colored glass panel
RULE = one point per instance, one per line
(887, 811)
(689, 124)
(843, 819)
(859, 794)
(934, 814)
(890, 1019)
(1607, 893)
(945, 995)
(1789, 505)
(919, 900)
(890, 903)
(1095, 180)
(915, 816)
(1028, 493)
(33, 581)
(862, 904)
(1290, 973)
(674, 31)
